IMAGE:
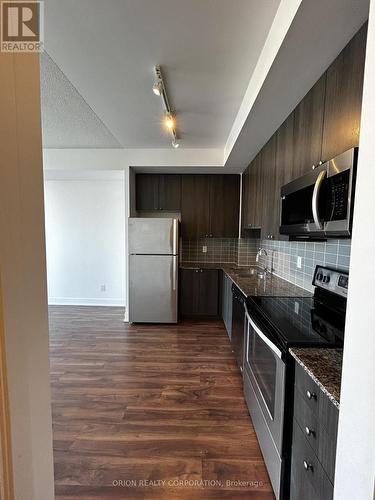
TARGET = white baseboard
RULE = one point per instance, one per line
(76, 301)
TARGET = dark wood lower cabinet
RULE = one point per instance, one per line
(200, 293)
(314, 440)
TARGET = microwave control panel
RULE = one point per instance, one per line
(339, 195)
(331, 280)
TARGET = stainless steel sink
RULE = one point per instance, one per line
(252, 271)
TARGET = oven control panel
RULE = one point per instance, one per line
(332, 280)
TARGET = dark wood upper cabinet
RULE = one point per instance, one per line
(224, 205)
(170, 192)
(283, 166)
(158, 192)
(308, 129)
(252, 195)
(269, 222)
(147, 192)
(284, 151)
(195, 206)
(342, 112)
(210, 206)
(245, 222)
(256, 182)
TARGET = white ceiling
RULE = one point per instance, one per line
(107, 50)
(67, 119)
(234, 70)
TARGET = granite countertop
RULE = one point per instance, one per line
(253, 285)
(324, 367)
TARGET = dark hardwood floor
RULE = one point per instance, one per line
(135, 403)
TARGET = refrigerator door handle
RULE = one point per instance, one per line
(175, 236)
(174, 274)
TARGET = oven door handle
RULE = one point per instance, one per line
(315, 198)
(265, 339)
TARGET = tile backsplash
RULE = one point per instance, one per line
(283, 256)
(218, 250)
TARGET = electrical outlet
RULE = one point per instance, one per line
(103, 288)
(204, 249)
(299, 262)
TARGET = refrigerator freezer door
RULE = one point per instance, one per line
(153, 288)
(153, 236)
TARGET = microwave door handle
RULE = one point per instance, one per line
(315, 198)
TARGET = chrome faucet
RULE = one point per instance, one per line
(262, 251)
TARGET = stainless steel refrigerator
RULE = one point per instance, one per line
(153, 270)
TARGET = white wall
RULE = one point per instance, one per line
(23, 276)
(355, 463)
(85, 238)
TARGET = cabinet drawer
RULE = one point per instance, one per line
(308, 479)
(318, 402)
(310, 392)
(323, 444)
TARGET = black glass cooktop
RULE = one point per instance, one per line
(298, 322)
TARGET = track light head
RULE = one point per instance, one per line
(157, 88)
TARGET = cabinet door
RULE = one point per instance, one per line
(308, 129)
(208, 303)
(195, 206)
(170, 192)
(268, 193)
(189, 292)
(224, 205)
(342, 112)
(252, 187)
(147, 192)
(256, 192)
(245, 199)
(284, 166)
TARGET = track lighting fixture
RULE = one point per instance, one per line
(169, 120)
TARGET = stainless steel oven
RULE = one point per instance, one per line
(320, 204)
(264, 388)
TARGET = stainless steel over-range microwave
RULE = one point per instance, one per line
(320, 204)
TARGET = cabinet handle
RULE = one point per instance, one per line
(307, 466)
(310, 395)
(309, 432)
(210, 235)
